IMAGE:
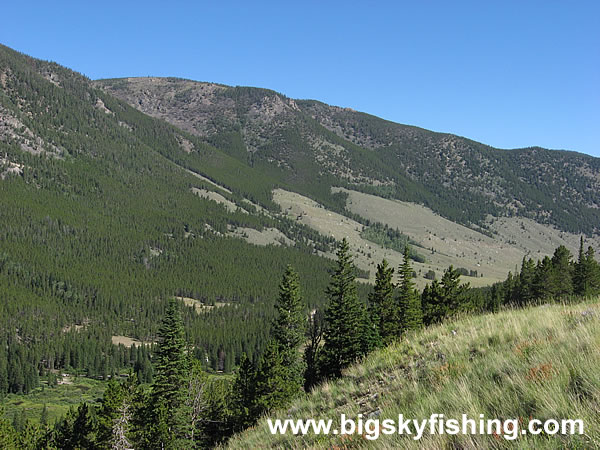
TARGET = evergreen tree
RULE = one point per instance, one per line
(411, 312)
(383, 308)
(289, 328)
(592, 272)
(312, 352)
(112, 400)
(7, 432)
(168, 390)
(85, 428)
(431, 299)
(369, 331)
(453, 293)
(586, 273)
(272, 387)
(561, 281)
(343, 317)
(542, 283)
(44, 416)
(526, 286)
(244, 391)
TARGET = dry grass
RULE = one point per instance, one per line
(538, 362)
(268, 236)
(128, 341)
(198, 306)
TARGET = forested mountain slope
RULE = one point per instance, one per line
(100, 224)
(313, 146)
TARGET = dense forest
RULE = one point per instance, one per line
(182, 406)
(100, 228)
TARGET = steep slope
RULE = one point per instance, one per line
(539, 363)
(313, 146)
(100, 222)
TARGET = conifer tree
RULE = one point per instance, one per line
(289, 328)
(542, 283)
(44, 416)
(7, 432)
(586, 273)
(409, 301)
(85, 427)
(592, 273)
(168, 390)
(272, 387)
(312, 352)
(383, 307)
(431, 299)
(561, 281)
(343, 317)
(369, 331)
(244, 392)
(526, 282)
(453, 293)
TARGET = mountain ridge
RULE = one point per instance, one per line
(307, 142)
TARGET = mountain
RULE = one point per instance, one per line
(106, 212)
(516, 365)
(209, 192)
(312, 146)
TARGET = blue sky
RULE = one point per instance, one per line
(509, 74)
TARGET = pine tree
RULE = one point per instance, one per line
(453, 293)
(409, 301)
(343, 317)
(289, 328)
(592, 273)
(383, 307)
(542, 283)
(108, 411)
(434, 309)
(85, 427)
(526, 282)
(244, 390)
(586, 273)
(44, 416)
(369, 331)
(561, 281)
(272, 387)
(312, 351)
(168, 389)
(7, 432)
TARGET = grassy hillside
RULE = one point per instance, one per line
(537, 363)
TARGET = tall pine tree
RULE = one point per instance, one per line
(289, 328)
(170, 427)
(343, 317)
(409, 300)
(383, 307)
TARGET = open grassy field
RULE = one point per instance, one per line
(411, 220)
(536, 363)
(57, 399)
(442, 242)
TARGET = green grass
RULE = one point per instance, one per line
(541, 362)
(57, 399)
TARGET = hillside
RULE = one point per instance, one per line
(105, 213)
(536, 363)
(313, 146)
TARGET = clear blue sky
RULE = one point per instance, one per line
(509, 74)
